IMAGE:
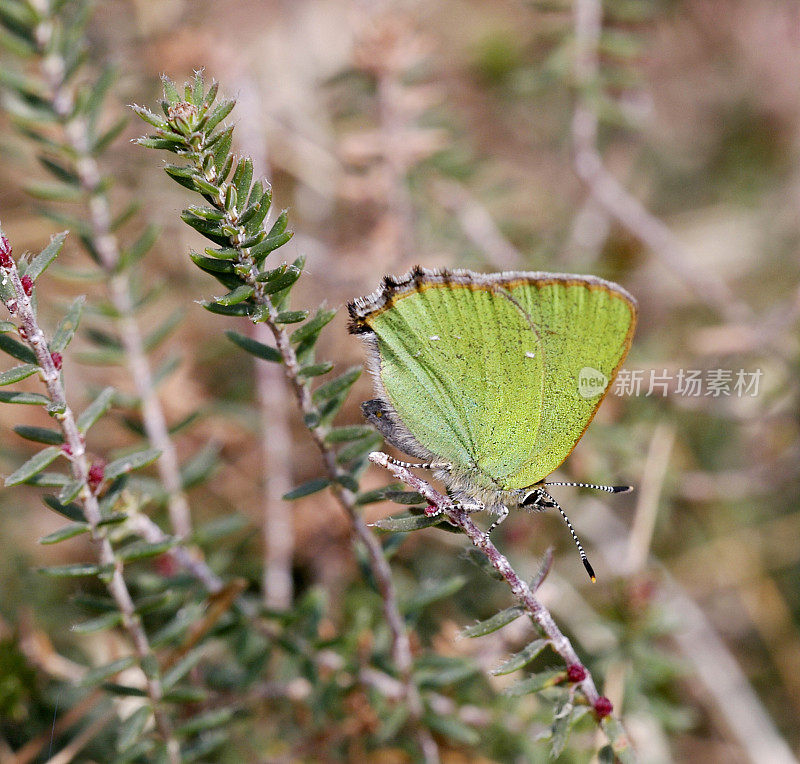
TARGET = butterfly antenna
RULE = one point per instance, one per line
(581, 551)
(606, 488)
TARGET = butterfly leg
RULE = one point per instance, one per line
(433, 510)
(469, 506)
(501, 515)
(419, 466)
(465, 506)
(479, 506)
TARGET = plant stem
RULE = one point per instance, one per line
(499, 562)
(273, 398)
(106, 244)
(401, 646)
(143, 526)
(537, 611)
(610, 194)
(35, 339)
(276, 444)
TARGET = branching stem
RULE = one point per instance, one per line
(79, 463)
(401, 646)
(106, 244)
(537, 611)
(609, 193)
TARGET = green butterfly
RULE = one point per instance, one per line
(492, 379)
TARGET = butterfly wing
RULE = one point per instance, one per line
(482, 369)
(586, 326)
(447, 368)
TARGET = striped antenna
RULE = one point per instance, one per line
(581, 552)
(606, 488)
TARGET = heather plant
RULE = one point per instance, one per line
(150, 635)
(96, 496)
(234, 219)
(185, 621)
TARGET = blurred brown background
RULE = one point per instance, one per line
(444, 134)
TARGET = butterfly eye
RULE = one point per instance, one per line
(531, 499)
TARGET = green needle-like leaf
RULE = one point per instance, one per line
(78, 570)
(29, 399)
(497, 621)
(269, 244)
(17, 349)
(54, 192)
(67, 532)
(407, 523)
(235, 296)
(40, 263)
(313, 327)
(275, 282)
(182, 668)
(200, 467)
(206, 721)
(131, 462)
(101, 623)
(452, 728)
(371, 497)
(291, 316)
(69, 491)
(95, 409)
(101, 673)
(140, 246)
(242, 309)
(130, 730)
(312, 486)
(18, 373)
(316, 369)
(141, 550)
(212, 264)
(149, 117)
(170, 91)
(522, 658)
(338, 385)
(70, 511)
(39, 435)
(218, 114)
(565, 715)
(34, 465)
(431, 591)
(258, 349)
(403, 497)
(535, 683)
(346, 434)
(157, 336)
(67, 326)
